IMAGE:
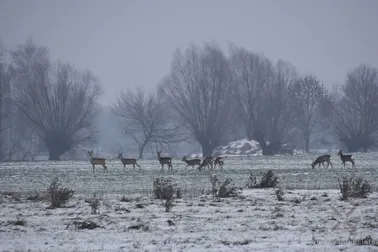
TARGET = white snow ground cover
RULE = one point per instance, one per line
(254, 221)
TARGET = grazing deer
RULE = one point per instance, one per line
(321, 160)
(208, 161)
(219, 161)
(97, 161)
(191, 162)
(346, 158)
(164, 160)
(128, 161)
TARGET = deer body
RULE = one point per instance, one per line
(219, 161)
(208, 161)
(97, 161)
(164, 160)
(321, 160)
(128, 161)
(191, 162)
(346, 158)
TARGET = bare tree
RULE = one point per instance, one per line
(59, 103)
(252, 74)
(279, 116)
(261, 95)
(199, 89)
(5, 99)
(355, 117)
(146, 118)
(306, 95)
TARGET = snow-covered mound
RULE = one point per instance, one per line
(239, 147)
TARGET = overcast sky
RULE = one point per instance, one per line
(130, 43)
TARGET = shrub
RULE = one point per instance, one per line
(58, 196)
(354, 188)
(280, 194)
(164, 188)
(268, 180)
(226, 189)
(95, 204)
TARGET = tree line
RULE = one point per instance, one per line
(203, 96)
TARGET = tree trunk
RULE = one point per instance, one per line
(207, 149)
(54, 154)
(307, 142)
(57, 145)
(141, 150)
(352, 147)
(267, 150)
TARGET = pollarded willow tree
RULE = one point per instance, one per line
(306, 96)
(59, 103)
(199, 89)
(147, 119)
(355, 117)
(261, 96)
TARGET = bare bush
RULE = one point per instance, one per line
(280, 194)
(58, 196)
(226, 189)
(95, 204)
(354, 188)
(268, 180)
(164, 188)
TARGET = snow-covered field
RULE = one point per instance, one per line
(254, 221)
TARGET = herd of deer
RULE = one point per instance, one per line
(209, 162)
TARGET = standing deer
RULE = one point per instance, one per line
(219, 161)
(97, 161)
(191, 162)
(164, 160)
(128, 161)
(208, 161)
(346, 158)
(321, 160)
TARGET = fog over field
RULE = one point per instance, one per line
(244, 103)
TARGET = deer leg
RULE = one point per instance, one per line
(353, 164)
(93, 167)
(138, 165)
(105, 168)
(331, 164)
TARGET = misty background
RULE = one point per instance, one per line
(294, 49)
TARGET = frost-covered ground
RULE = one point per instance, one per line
(254, 221)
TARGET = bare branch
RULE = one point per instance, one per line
(199, 89)
(146, 118)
